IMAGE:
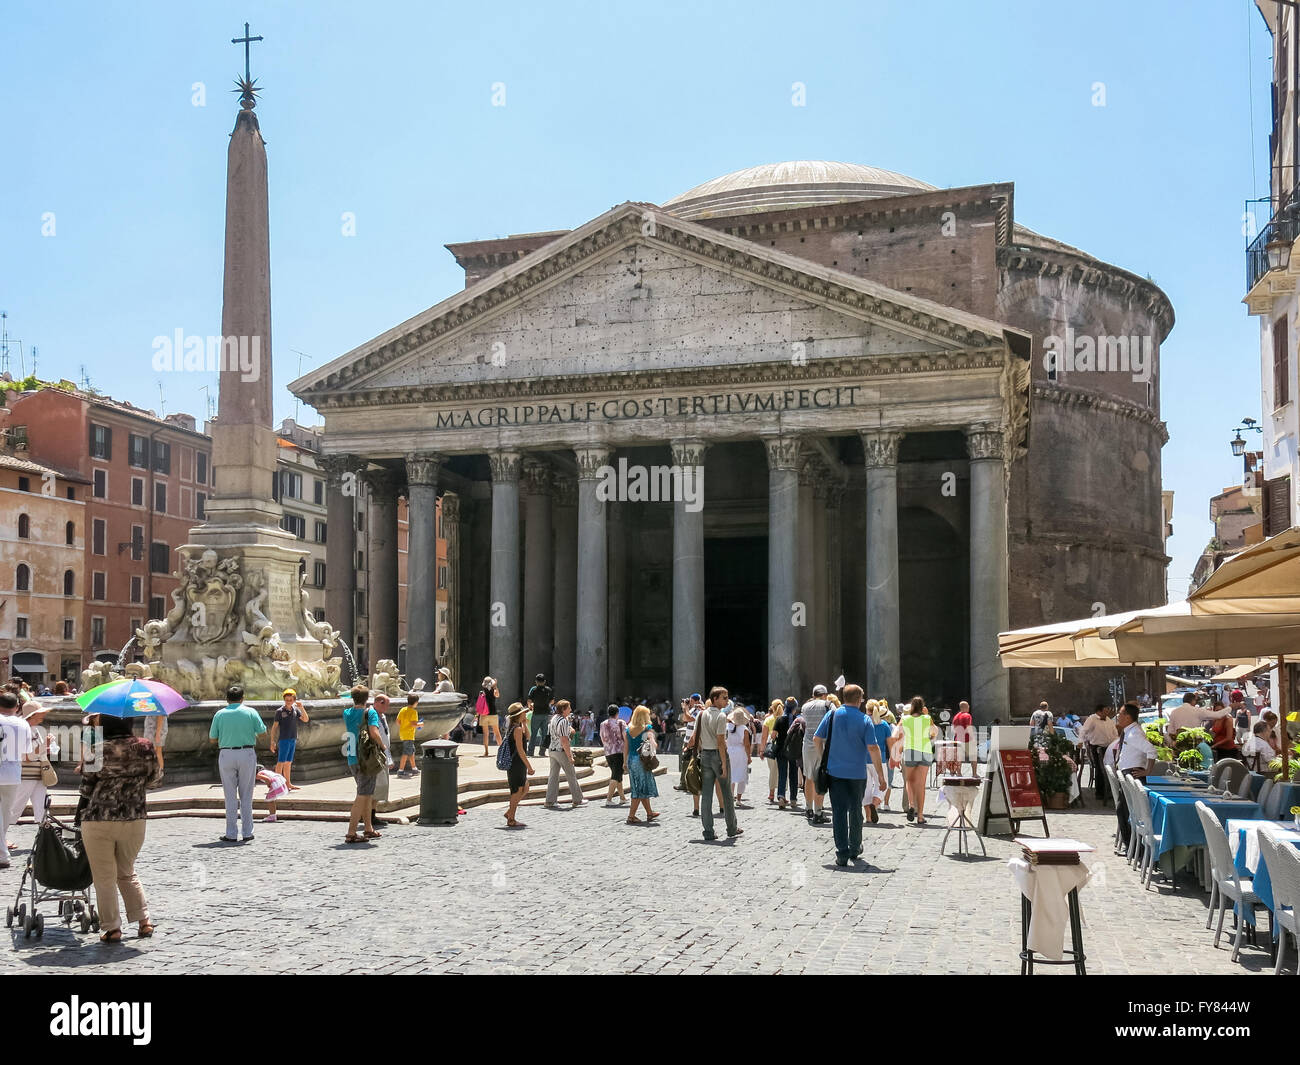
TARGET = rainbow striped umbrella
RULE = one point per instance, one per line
(132, 698)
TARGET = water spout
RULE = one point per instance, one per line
(121, 657)
(352, 665)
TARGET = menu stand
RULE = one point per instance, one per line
(1046, 852)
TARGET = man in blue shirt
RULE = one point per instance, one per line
(846, 742)
(355, 717)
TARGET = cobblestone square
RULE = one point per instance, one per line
(578, 891)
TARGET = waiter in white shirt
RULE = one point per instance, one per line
(1190, 715)
(1134, 757)
(1099, 732)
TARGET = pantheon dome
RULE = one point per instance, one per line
(791, 185)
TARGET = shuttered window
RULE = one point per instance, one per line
(1281, 365)
(1277, 506)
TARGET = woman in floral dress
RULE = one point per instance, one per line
(642, 780)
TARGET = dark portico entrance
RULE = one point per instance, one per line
(735, 615)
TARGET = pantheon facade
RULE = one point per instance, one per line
(850, 359)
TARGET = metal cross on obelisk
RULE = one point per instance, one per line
(245, 40)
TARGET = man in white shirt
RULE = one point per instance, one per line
(15, 742)
(1098, 732)
(1041, 717)
(709, 736)
(1190, 715)
(1134, 757)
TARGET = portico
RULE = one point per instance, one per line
(853, 443)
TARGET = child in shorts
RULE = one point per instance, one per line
(408, 720)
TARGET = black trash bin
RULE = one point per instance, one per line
(438, 785)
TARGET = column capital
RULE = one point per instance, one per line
(385, 485)
(590, 460)
(880, 447)
(564, 490)
(984, 441)
(505, 466)
(782, 452)
(337, 468)
(812, 471)
(422, 467)
(535, 476)
(450, 507)
(688, 451)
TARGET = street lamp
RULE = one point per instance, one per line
(1278, 250)
(1238, 442)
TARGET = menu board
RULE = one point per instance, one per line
(1020, 784)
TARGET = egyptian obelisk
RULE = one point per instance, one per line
(242, 613)
(243, 441)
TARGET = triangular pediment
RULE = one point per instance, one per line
(639, 290)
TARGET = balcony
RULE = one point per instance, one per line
(1270, 268)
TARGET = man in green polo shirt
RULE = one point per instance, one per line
(235, 730)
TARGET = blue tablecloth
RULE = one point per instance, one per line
(1172, 782)
(1290, 796)
(1262, 883)
(1200, 774)
(1173, 817)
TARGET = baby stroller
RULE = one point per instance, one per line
(58, 871)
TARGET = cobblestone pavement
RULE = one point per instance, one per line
(578, 891)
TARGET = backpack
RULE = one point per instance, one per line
(481, 705)
(506, 752)
(649, 752)
(370, 755)
(794, 740)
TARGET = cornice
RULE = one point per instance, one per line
(857, 366)
(1091, 273)
(1066, 396)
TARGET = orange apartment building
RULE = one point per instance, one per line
(147, 479)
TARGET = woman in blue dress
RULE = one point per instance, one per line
(643, 783)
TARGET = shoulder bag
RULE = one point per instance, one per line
(822, 781)
(649, 751)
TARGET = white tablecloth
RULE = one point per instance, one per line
(1047, 888)
(959, 797)
(1277, 830)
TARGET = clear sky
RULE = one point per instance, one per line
(385, 110)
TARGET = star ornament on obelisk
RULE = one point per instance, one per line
(246, 86)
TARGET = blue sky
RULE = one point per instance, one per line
(385, 110)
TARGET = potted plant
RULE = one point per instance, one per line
(1055, 766)
(1187, 744)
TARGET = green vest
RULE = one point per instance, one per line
(916, 732)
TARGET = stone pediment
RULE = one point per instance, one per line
(640, 291)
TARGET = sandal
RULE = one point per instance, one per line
(353, 839)
(115, 936)
(374, 835)
(651, 816)
(145, 930)
(634, 821)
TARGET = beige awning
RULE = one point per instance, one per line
(1264, 578)
(1245, 670)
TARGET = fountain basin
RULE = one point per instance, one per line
(190, 758)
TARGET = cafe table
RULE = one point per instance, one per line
(1174, 820)
(1243, 839)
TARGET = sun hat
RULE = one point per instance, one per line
(443, 671)
(819, 689)
(31, 708)
(517, 710)
(288, 691)
(740, 716)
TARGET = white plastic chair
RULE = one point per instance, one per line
(1149, 842)
(1264, 792)
(1115, 793)
(1134, 823)
(1243, 789)
(1228, 774)
(1228, 885)
(1283, 862)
